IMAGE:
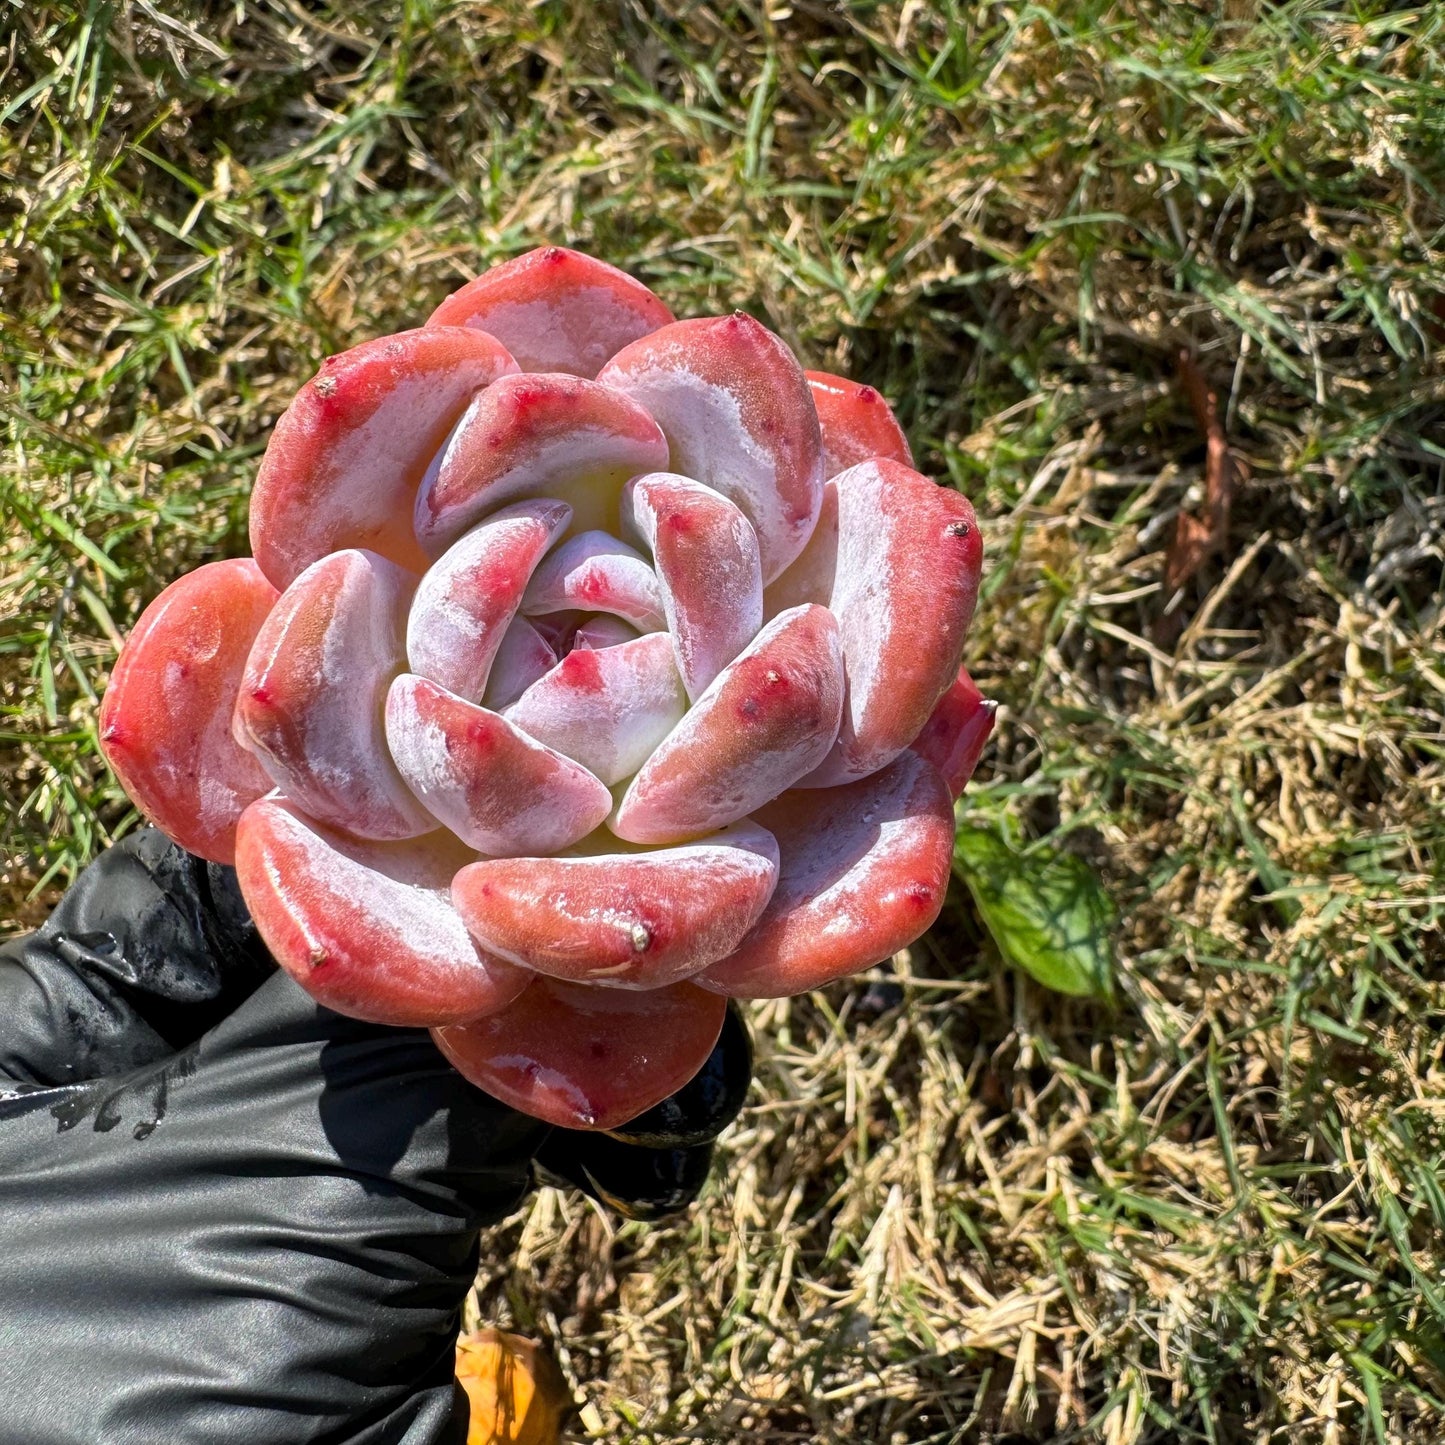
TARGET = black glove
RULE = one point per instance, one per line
(230, 1214)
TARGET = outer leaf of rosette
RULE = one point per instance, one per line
(556, 310)
(953, 738)
(165, 723)
(739, 417)
(310, 704)
(468, 598)
(766, 720)
(639, 920)
(344, 462)
(908, 563)
(865, 868)
(584, 1057)
(856, 422)
(367, 928)
(495, 787)
(708, 568)
(545, 435)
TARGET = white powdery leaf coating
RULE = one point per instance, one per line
(467, 599)
(594, 572)
(499, 790)
(608, 708)
(578, 337)
(861, 602)
(601, 631)
(523, 657)
(405, 907)
(709, 568)
(710, 443)
(311, 700)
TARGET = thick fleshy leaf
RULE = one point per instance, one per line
(537, 436)
(864, 872)
(492, 785)
(310, 704)
(766, 721)
(602, 631)
(367, 928)
(524, 656)
(594, 572)
(739, 417)
(588, 1058)
(811, 576)
(466, 601)
(165, 723)
(909, 556)
(556, 310)
(344, 462)
(626, 920)
(607, 709)
(708, 566)
(857, 424)
(953, 737)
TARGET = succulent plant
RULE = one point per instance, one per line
(591, 667)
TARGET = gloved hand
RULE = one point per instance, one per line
(230, 1214)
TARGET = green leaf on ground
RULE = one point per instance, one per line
(1047, 912)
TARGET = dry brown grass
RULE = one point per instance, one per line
(959, 1208)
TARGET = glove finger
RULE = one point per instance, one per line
(630, 1179)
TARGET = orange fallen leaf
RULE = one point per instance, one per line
(517, 1393)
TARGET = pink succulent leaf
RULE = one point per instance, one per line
(595, 572)
(810, 577)
(310, 704)
(857, 424)
(367, 928)
(953, 738)
(864, 872)
(523, 656)
(545, 435)
(739, 417)
(708, 567)
(584, 1057)
(165, 725)
(556, 310)
(909, 558)
(584, 699)
(343, 465)
(468, 597)
(637, 920)
(607, 708)
(767, 719)
(496, 788)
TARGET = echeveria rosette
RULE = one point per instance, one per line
(592, 667)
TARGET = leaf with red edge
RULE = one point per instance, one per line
(766, 720)
(909, 558)
(607, 708)
(556, 310)
(857, 424)
(165, 724)
(708, 570)
(537, 436)
(626, 920)
(956, 731)
(588, 1058)
(594, 572)
(738, 416)
(344, 462)
(864, 872)
(310, 703)
(466, 601)
(367, 928)
(496, 788)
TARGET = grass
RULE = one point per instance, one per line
(959, 1207)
